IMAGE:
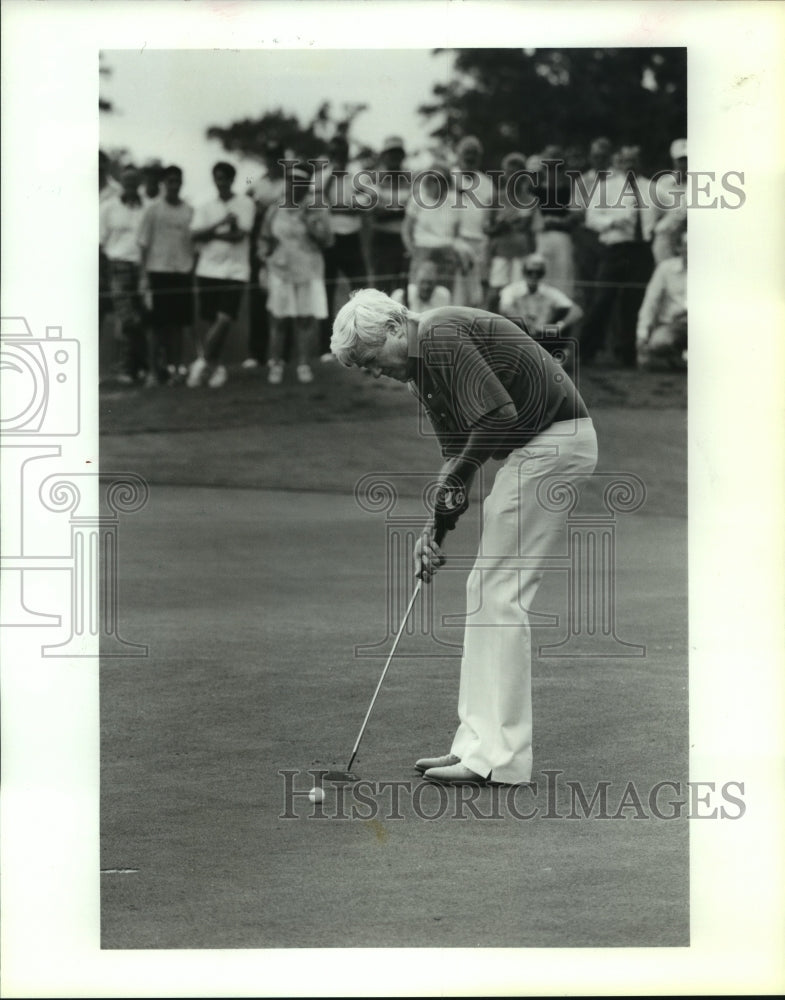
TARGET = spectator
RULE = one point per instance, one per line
(119, 222)
(670, 205)
(350, 224)
(430, 229)
(221, 228)
(108, 188)
(662, 320)
(624, 225)
(167, 257)
(586, 244)
(292, 240)
(536, 307)
(393, 188)
(554, 239)
(474, 194)
(423, 293)
(266, 191)
(107, 185)
(512, 227)
(152, 178)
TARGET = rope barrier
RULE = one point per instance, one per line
(337, 281)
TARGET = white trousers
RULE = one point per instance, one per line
(494, 737)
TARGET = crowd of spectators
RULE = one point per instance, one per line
(531, 238)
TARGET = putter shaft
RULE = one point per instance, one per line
(381, 679)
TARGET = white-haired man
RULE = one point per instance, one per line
(490, 391)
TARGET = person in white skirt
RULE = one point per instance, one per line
(490, 391)
(294, 234)
(424, 292)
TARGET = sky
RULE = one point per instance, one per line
(164, 100)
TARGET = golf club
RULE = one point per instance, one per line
(348, 775)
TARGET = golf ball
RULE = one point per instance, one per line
(316, 795)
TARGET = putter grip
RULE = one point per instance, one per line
(440, 530)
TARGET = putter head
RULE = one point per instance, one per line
(341, 776)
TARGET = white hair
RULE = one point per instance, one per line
(363, 325)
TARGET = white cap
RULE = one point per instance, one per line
(678, 149)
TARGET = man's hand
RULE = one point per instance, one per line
(427, 555)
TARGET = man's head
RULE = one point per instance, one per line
(273, 154)
(152, 174)
(469, 153)
(338, 152)
(173, 181)
(533, 270)
(630, 158)
(426, 280)
(129, 179)
(513, 163)
(223, 177)
(600, 153)
(392, 154)
(298, 183)
(679, 155)
(370, 332)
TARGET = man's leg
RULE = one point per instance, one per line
(216, 338)
(331, 270)
(637, 273)
(305, 335)
(276, 344)
(389, 262)
(257, 317)
(599, 318)
(494, 737)
(227, 307)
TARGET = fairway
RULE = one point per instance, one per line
(253, 601)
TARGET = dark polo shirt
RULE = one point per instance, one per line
(466, 363)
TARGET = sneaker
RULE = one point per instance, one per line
(218, 378)
(274, 372)
(304, 373)
(196, 373)
(250, 363)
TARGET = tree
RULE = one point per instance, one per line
(526, 99)
(250, 136)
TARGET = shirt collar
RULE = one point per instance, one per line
(414, 349)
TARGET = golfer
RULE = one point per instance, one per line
(490, 391)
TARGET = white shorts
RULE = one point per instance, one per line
(306, 298)
(505, 270)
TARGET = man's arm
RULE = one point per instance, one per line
(455, 480)
(407, 231)
(565, 314)
(227, 229)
